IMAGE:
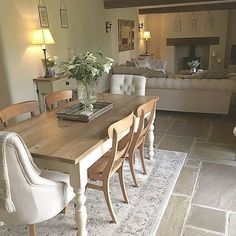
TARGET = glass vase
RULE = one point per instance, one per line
(51, 72)
(88, 94)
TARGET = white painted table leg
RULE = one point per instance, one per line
(150, 139)
(78, 179)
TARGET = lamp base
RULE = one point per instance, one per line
(146, 53)
(45, 61)
(47, 74)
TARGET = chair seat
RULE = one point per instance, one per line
(60, 177)
(97, 169)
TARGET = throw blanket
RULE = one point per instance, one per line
(6, 202)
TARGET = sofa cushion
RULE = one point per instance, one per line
(191, 84)
(121, 69)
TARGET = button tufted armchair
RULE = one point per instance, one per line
(35, 195)
(128, 84)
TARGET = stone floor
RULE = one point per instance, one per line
(203, 202)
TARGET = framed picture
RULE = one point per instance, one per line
(64, 18)
(125, 35)
(192, 25)
(208, 24)
(177, 25)
(43, 16)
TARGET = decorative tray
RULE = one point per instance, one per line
(77, 112)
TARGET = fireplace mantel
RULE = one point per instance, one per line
(192, 41)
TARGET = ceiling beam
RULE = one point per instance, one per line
(109, 4)
(190, 8)
(192, 41)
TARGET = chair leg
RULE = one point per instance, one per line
(32, 231)
(131, 165)
(141, 149)
(64, 211)
(106, 191)
(122, 184)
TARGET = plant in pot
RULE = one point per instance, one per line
(87, 68)
(51, 63)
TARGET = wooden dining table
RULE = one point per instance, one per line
(72, 147)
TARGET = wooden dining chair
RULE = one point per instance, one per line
(17, 109)
(121, 134)
(145, 115)
(55, 100)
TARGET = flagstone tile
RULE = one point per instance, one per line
(186, 180)
(213, 152)
(158, 136)
(216, 187)
(163, 114)
(199, 118)
(173, 218)
(207, 218)
(232, 224)
(162, 124)
(222, 133)
(179, 144)
(194, 163)
(189, 129)
(179, 116)
(197, 232)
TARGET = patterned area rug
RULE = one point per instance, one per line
(140, 217)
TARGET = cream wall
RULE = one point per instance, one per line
(164, 23)
(20, 62)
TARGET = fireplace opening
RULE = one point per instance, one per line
(184, 54)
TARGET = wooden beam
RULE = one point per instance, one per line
(190, 8)
(192, 41)
(109, 4)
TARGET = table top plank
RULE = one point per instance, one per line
(70, 141)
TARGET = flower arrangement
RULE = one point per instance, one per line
(87, 67)
(51, 61)
(193, 65)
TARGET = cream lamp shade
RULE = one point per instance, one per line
(42, 37)
(146, 35)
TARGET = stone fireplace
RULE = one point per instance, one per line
(189, 49)
(184, 54)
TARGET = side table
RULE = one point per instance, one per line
(45, 86)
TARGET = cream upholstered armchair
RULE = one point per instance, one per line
(128, 84)
(27, 195)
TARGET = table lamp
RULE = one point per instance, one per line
(146, 36)
(43, 37)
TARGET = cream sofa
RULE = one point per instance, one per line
(192, 95)
(188, 94)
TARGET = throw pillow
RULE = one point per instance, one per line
(144, 63)
(154, 74)
(130, 63)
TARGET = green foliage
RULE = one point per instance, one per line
(51, 61)
(87, 67)
(193, 64)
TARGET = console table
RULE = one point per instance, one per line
(45, 86)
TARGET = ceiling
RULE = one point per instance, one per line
(167, 6)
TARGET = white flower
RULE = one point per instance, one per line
(107, 67)
(94, 72)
